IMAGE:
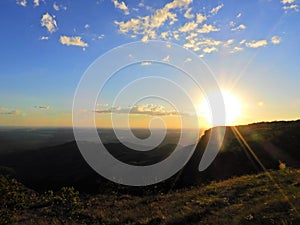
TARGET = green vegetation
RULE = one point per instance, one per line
(250, 199)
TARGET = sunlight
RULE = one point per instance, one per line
(232, 109)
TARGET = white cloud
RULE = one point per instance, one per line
(276, 40)
(200, 18)
(239, 27)
(257, 44)
(101, 36)
(287, 1)
(49, 22)
(145, 63)
(243, 41)
(22, 2)
(147, 25)
(291, 7)
(55, 6)
(86, 26)
(188, 60)
(189, 26)
(75, 41)
(210, 49)
(188, 14)
(167, 58)
(58, 7)
(236, 49)
(228, 42)
(36, 3)
(121, 5)
(216, 9)
(43, 38)
(207, 29)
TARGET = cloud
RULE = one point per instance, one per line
(121, 5)
(75, 41)
(147, 25)
(200, 18)
(291, 7)
(42, 107)
(236, 49)
(55, 6)
(216, 9)
(188, 60)
(239, 27)
(102, 104)
(11, 112)
(49, 22)
(210, 49)
(257, 44)
(58, 7)
(43, 38)
(22, 3)
(188, 14)
(86, 26)
(189, 26)
(167, 58)
(146, 109)
(207, 29)
(228, 42)
(275, 40)
(145, 63)
(101, 36)
(287, 1)
(36, 3)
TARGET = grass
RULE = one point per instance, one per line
(250, 199)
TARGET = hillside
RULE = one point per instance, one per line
(251, 199)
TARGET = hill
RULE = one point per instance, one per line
(250, 199)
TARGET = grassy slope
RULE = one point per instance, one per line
(250, 199)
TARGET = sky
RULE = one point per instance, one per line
(251, 47)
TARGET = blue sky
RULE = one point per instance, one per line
(251, 46)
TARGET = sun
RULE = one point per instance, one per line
(232, 109)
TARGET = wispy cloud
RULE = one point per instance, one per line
(74, 41)
(22, 3)
(145, 63)
(207, 29)
(10, 112)
(189, 26)
(289, 5)
(36, 3)
(42, 107)
(147, 25)
(216, 9)
(43, 38)
(276, 40)
(188, 14)
(239, 27)
(210, 49)
(122, 6)
(167, 58)
(257, 44)
(287, 1)
(49, 22)
(146, 109)
(57, 7)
